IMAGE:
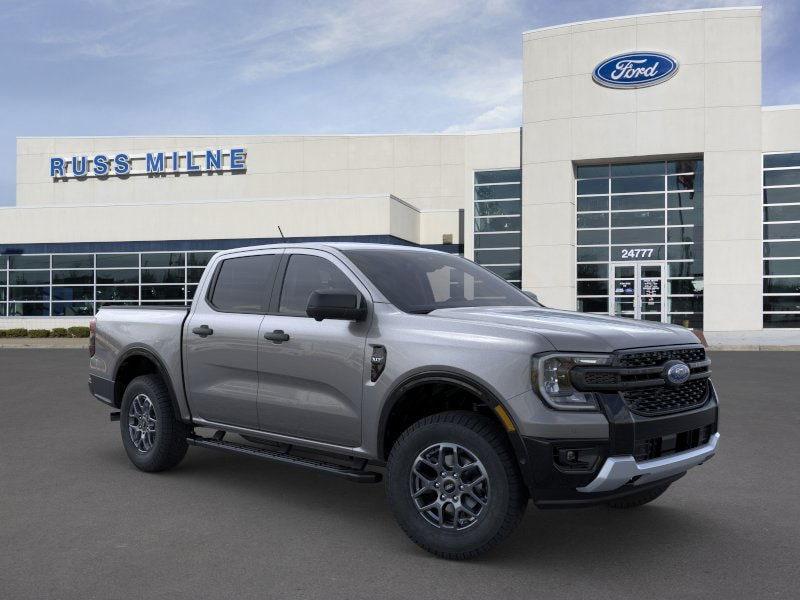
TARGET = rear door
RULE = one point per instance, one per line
(221, 339)
(312, 381)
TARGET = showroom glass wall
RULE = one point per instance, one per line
(640, 240)
(781, 301)
(497, 224)
(40, 285)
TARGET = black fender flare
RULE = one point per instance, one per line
(160, 369)
(465, 382)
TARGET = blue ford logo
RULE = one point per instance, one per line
(676, 372)
(635, 70)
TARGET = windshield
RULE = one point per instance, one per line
(419, 282)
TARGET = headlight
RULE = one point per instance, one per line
(551, 379)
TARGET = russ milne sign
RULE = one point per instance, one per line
(635, 70)
(122, 164)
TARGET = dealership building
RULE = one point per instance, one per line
(646, 180)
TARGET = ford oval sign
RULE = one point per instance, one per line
(676, 372)
(635, 70)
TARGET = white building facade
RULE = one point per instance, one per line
(654, 187)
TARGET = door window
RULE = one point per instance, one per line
(243, 285)
(305, 274)
(637, 291)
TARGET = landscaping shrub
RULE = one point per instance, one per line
(38, 333)
(16, 332)
(59, 332)
(79, 332)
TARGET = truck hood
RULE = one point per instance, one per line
(573, 331)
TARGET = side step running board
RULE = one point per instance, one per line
(356, 475)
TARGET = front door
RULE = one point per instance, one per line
(637, 290)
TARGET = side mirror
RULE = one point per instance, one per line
(335, 304)
(532, 296)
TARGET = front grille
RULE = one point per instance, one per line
(670, 444)
(664, 400)
(654, 358)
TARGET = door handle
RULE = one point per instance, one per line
(277, 336)
(203, 331)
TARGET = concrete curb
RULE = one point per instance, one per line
(63, 343)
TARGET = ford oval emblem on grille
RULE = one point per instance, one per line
(676, 372)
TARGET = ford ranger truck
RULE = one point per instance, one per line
(360, 360)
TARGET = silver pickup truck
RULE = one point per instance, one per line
(352, 359)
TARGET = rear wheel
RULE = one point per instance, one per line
(453, 485)
(154, 439)
(639, 499)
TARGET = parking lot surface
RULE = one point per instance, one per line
(77, 520)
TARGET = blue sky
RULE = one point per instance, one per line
(105, 67)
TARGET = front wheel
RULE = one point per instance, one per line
(454, 486)
(154, 439)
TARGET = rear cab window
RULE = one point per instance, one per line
(244, 284)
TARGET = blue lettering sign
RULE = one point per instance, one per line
(213, 160)
(100, 163)
(237, 159)
(190, 166)
(122, 166)
(56, 167)
(79, 166)
(635, 70)
(154, 162)
(176, 162)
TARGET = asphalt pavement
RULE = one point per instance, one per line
(77, 520)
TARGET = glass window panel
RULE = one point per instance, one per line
(2, 310)
(647, 168)
(693, 304)
(84, 292)
(689, 321)
(190, 290)
(507, 272)
(679, 252)
(587, 171)
(497, 257)
(782, 213)
(592, 186)
(497, 240)
(493, 192)
(194, 275)
(637, 219)
(162, 292)
(782, 195)
(596, 305)
(782, 303)
(681, 182)
(29, 293)
(681, 269)
(73, 261)
(498, 176)
(29, 309)
(637, 236)
(782, 267)
(199, 259)
(100, 304)
(244, 284)
(684, 199)
(304, 275)
(73, 276)
(684, 166)
(682, 217)
(593, 220)
(637, 201)
(2, 277)
(163, 259)
(592, 236)
(787, 177)
(117, 292)
(781, 249)
(117, 260)
(592, 271)
(782, 285)
(625, 271)
(774, 321)
(492, 224)
(637, 184)
(73, 309)
(163, 275)
(28, 261)
(597, 203)
(680, 234)
(790, 159)
(118, 276)
(782, 231)
(2, 294)
(589, 254)
(3, 262)
(593, 288)
(511, 207)
(28, 277)
(685, 286)
(638, 252)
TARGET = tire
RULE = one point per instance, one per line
(165, 444)
(639, 499)
(448, 530)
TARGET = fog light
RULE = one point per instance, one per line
(577, 459)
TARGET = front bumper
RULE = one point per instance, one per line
(626, 462)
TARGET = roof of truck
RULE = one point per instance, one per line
(330, 245)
